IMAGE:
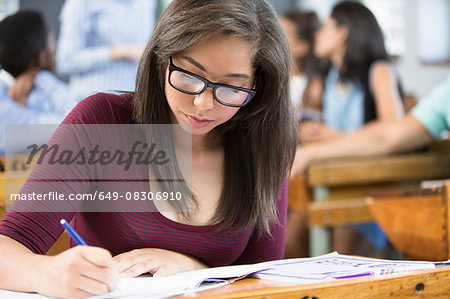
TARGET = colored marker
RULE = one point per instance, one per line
(72, 232)
(355, 275)
(442, 264)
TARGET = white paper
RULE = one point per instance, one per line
(333, 266)
(181, 283)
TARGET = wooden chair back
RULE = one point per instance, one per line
(417, 225)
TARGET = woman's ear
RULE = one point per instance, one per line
(44, 60)
(40, 59)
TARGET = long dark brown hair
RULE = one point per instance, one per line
(259, 141)
(364, 46)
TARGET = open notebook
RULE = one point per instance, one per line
(328, 267)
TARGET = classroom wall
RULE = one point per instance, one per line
(49, 8)
(418, 78)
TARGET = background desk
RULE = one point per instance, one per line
(351, 179)
(420, 284)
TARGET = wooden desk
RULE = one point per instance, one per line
(420, 284)
(351, 179)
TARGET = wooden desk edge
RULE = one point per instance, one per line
(376, 169)
(435, 282)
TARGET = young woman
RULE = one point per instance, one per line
(361, 85)
(223, 68)
(306, 84)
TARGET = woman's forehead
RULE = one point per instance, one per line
(224, 53)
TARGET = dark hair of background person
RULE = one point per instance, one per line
(364, 46)
(22, 36)
(259, 140)
(306, 24)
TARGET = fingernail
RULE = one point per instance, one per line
(123, 274)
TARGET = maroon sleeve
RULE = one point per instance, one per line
(38, 231)
(264, 247)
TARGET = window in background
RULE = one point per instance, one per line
(391, 18)
(8, 7)
(433, 30)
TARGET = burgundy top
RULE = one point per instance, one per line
(124, 231)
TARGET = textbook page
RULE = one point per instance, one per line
(334, 266)
(181, 283)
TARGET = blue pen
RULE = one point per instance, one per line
(72, 232)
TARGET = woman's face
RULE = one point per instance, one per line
(226, 60)
(330, 39)
(298, 47)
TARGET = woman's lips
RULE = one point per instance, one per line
(198, 123)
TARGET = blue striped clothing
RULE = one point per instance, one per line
(48, 103)
(89, 29)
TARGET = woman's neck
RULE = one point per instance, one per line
(337, 58)
(296, 68)
(202, 144)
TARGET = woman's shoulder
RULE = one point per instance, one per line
(381, 66)
(102, 108)
(382, 70)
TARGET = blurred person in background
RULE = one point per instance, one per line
(101, 42)
(426, 122)
(29, 92)
(306, 84)
(305, 91)
(362, 84)
(361, 87)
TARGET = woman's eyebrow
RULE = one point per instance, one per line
(202, 68)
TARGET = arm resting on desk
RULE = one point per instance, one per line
(373, 139)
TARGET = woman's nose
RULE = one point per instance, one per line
(205, 100)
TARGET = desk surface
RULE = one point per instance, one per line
(375, 169)
(420, 284)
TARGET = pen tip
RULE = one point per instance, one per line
(62, 221)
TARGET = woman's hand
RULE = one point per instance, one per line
(127, 52)
(79, 272)
(158, 262)
(22, 86)
(313, 131)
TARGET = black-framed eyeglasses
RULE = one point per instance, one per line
(189, 83)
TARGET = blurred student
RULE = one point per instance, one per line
(361, 85)
(426, 122)
(306, 85)
(305, 91)
(101, 42)
(29, 92)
